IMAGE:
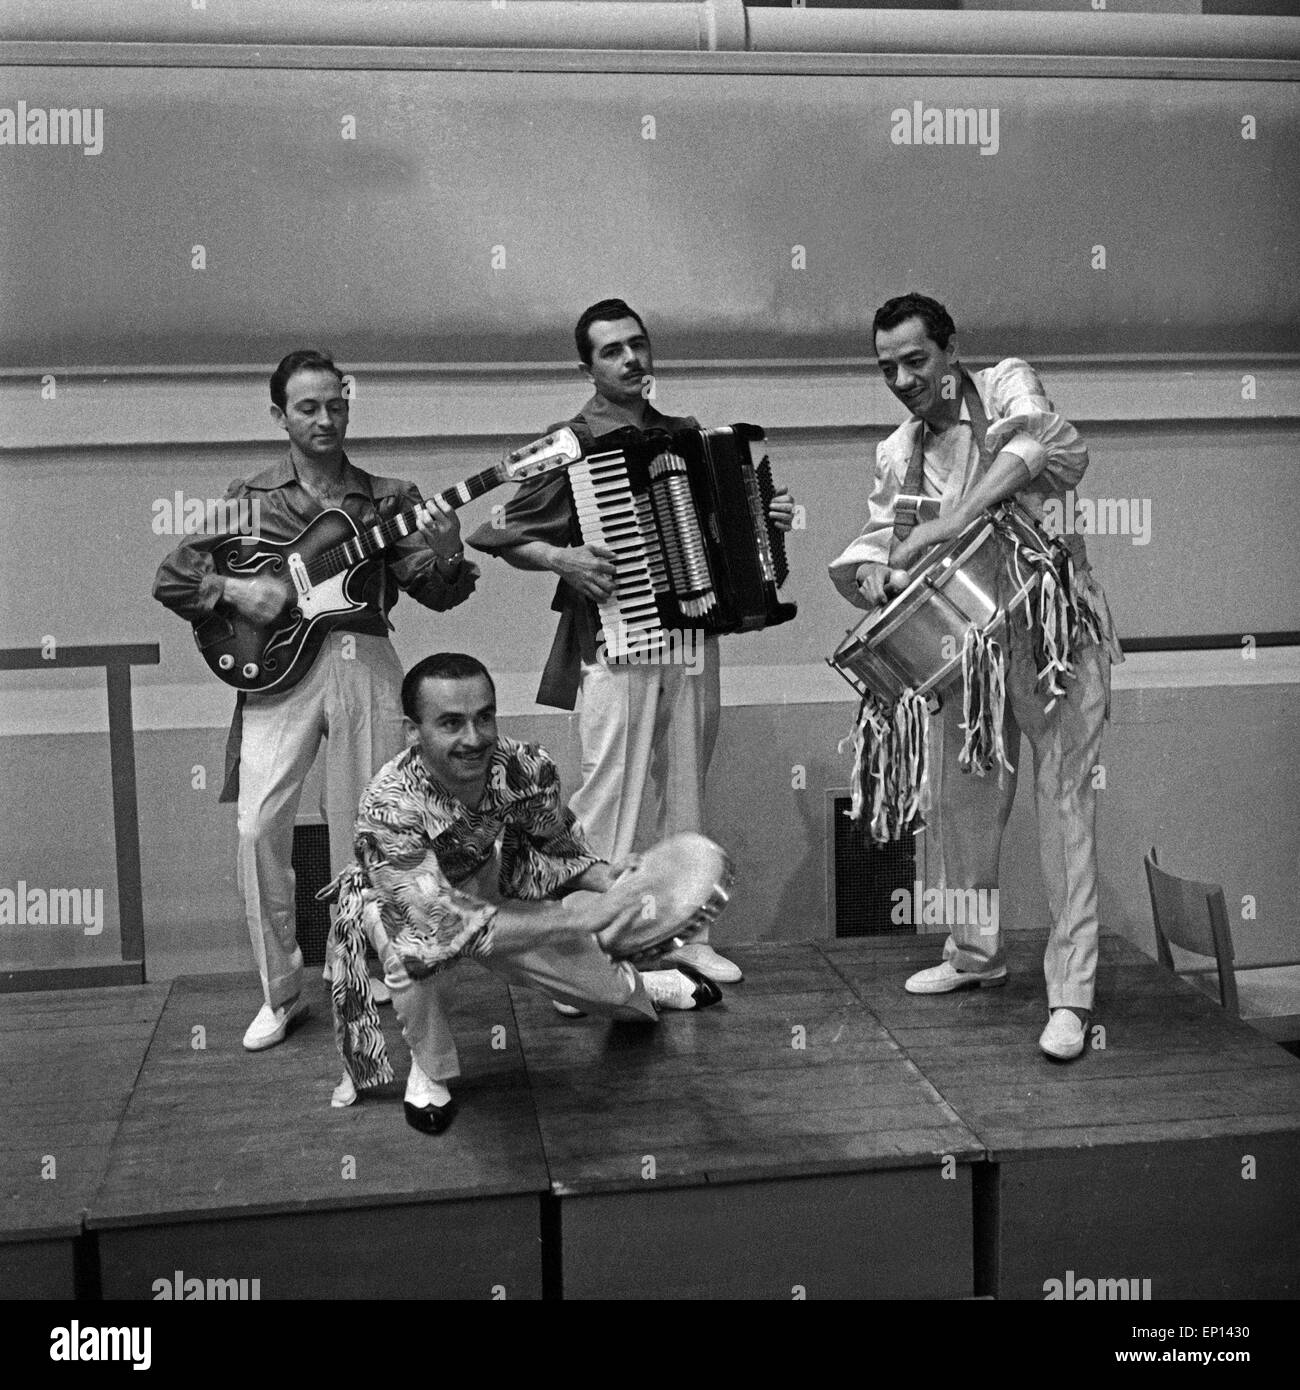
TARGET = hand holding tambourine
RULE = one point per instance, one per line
(675, 890)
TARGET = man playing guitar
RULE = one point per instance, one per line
(350, 696)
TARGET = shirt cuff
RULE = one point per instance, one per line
(844, 569)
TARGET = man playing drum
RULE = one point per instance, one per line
(973, 441)
(463, 806)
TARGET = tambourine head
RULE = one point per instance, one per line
(680, 886)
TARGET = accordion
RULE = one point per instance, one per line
(685, 513)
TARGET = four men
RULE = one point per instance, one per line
(463, 846)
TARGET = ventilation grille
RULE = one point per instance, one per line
(311, 866)
(863, 875)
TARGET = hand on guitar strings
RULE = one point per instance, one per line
(440, 527)
(260, 599)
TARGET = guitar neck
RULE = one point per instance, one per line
(373, 540)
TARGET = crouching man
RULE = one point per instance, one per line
(463, 846)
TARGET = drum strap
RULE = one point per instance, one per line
(905, 514)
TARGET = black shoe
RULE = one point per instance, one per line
(430, 1119)
(706, 992)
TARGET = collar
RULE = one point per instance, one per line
(359, 482)
(497, 792)
(604, 417)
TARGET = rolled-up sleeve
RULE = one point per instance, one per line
(1023, 422)
(877, 537)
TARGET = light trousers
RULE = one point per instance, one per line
(573, 970)
(643, 724)
(972, 813)
(351, 698)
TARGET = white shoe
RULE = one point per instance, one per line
(702, 957)
(345, 1093)
(1064, 1035)
(567, 1010)
(271, 1025)
(379, 991)
(942, 979)
(679, 989)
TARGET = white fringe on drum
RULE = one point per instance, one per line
(890, 780)
(1066, 613)
(983, 704)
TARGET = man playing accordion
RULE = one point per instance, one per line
(973, 441)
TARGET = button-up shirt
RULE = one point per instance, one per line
(1022, 421)
(543, 510)
(188, 584)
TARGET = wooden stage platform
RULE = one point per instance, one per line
(820, 1134)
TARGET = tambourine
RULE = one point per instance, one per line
(679, 887)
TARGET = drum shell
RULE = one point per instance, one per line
(915, 642)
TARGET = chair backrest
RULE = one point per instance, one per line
(1193, 916)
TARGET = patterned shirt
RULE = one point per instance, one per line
(414, 842)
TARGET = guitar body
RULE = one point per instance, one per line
(259, 659)
(323, 573)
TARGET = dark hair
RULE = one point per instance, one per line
(938, 321)
(441, 666)
(301, 360)
(605, 312)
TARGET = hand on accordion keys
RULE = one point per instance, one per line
(587, 568)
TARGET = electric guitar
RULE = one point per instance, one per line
(323, 569)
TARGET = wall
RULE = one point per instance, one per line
(128, 375)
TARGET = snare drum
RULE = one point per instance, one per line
(915, 641)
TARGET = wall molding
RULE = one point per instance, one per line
(60, 709)
(98, 409)
(747, 64)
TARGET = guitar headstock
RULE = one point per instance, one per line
(555, 450)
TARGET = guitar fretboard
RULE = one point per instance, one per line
(372, 540)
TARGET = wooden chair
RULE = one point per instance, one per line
(1193, 916)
